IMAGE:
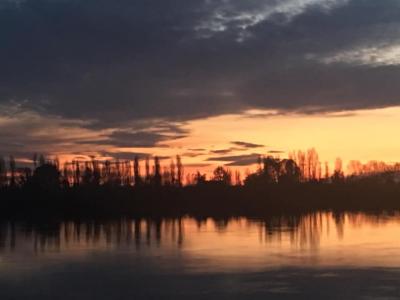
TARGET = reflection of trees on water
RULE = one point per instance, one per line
(304, 231)
(63, 235)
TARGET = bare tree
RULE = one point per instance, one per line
(147, 170)
(42, 160)
(12, 170)
(157, 171)
(77, 174)
(136, 172)
(179, 174)
(238, 180)
(35, 160)
(327, 175)
(172, 172)
(222, 175)
(3, 172)
(338, 176)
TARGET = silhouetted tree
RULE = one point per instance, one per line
(46, 177)
(3, 172)
(147, 170)
(238, 180)
(136, 172)
(107, 171)
(338, 175)
(157, 171)
(200, 179)
(65, 181)
(179, 175)
(259, 163)
(172, 172)
(12, 170)
(301, 162)
(128, 173)
(96, 172)
(271, 169)
(57, 162)
(189, 179)
(326, 170)
(42, 160)
(24, 175)
(166, 176)
(222, 175)
(312, 164)
(35, 160)
(116, 177)
(77, 174)
(87, 177)
(289, 172)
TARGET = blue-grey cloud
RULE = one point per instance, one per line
(112, 62)
(127, 139)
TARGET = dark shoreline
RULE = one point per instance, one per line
(218, 201)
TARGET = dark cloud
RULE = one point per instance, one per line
(126, 155)
(163, 157)
(139, 139)
(247, 145)
(122, 155)
(192, 154)
(221, 151)
(118, 61)
(237, 160)
(276, 152)
(23, 132)
(129, 139)
(131, 72)
(199, 165)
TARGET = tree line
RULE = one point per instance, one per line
(299, 167)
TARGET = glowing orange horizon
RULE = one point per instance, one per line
(362, 135)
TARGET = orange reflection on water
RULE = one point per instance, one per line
(312, 240)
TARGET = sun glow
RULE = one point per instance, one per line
(362, 134)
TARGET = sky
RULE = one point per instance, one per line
(218, 82)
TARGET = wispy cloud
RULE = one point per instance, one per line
(126, 155)
(237, 160)
(242, 15)
(24, 131)
(375, 56)
(276, 152)
(133, 139)
(247, 144)
(222, 151)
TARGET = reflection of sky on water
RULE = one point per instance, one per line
(314, 256)
(320, 239)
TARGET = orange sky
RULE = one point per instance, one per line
(363, 135)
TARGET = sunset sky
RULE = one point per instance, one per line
(218, 82)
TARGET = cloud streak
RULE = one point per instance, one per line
(241, 16)
(236, 160)
(247, 144)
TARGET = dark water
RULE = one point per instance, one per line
(320, 256)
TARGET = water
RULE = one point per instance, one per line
(320, 255)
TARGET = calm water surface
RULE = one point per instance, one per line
(320, 255)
